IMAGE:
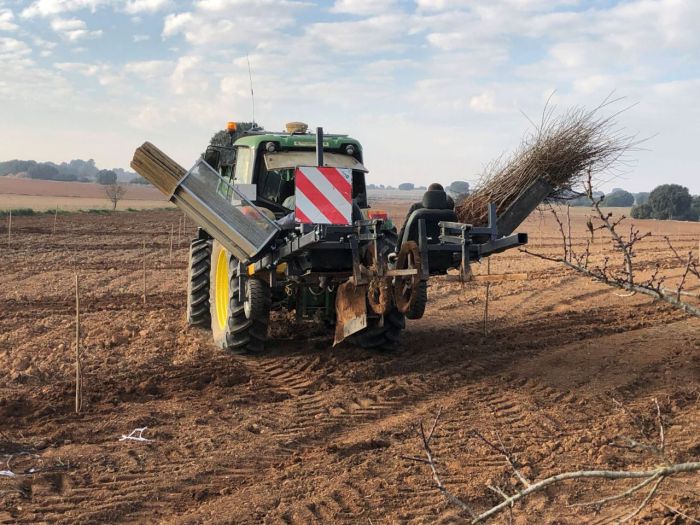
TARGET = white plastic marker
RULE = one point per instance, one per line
(135, 435)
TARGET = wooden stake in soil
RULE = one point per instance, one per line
(179, 231)
(568, 224)
(486, 304)
(78, 367)
(55, 218)
(144, 272)
(9, 229)
(172, 233)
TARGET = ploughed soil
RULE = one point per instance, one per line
(564, 371)
(50, 188)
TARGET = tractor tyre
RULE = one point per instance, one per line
(417, 309)
(382, 336)
(239, 324)
(198, 284)
(249, 318)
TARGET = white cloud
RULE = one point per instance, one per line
(73, 29)
(45, 8)
(176, 23)
(520, 5)
(484, 103)
(45, 47)
(372, 35)
(88, 70)
(221, 22)
(363, 7)
(149, 68)
(388, 71)
(146, 6)
(188, 77)
(6, 20)
(11, 48)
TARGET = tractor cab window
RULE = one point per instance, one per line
(275, 176)
(242, 173)
(275, 186)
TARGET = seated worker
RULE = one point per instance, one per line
(435, 186)
(287, 222)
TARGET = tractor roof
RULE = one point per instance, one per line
(296, 140)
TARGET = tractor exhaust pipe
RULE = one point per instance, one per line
(319, 147)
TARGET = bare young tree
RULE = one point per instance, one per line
(625, 245)
(115, 192)
(525, 487)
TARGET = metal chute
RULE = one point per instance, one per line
(211, 201)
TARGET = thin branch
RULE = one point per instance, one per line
(679, 513)
(497, 491)
(509, 458)
(432, 429)
(681, 284)
(659, 473)
(693, 266)
(644, 502)
(662, 434)
(600, 502)
(655, 476)
(431, 462)
(601, 277)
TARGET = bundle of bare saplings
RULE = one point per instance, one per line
(560, 150)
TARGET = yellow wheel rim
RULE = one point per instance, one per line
(222, 292)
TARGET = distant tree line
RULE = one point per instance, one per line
(76, 170)
(458, 187)
(668, 201)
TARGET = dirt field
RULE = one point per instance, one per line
(309, 434)
(42, 195)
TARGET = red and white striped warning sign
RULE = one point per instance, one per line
(323, 195)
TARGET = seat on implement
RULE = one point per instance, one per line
(435, 209)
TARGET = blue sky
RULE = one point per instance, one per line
(435, 89)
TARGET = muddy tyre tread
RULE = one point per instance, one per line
(383, 338)
(198, 313)
(248, 335)
(417, 309)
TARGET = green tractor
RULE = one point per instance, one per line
(285, 224)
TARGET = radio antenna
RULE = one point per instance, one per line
(252, 95)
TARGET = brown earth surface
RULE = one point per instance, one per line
(311, 434)
(42, 195)
(52, 188)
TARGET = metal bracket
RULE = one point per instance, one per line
(492, 229)
(423, 249)
(356, 266)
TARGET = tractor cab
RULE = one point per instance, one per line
(262, 164)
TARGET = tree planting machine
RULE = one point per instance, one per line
(285, 224)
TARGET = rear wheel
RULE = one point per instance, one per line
(239, 320)
(198, 284)
(417, 309)
(407, 288)
(382, 333)
(250, 317)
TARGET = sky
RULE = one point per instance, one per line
(434, 89)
